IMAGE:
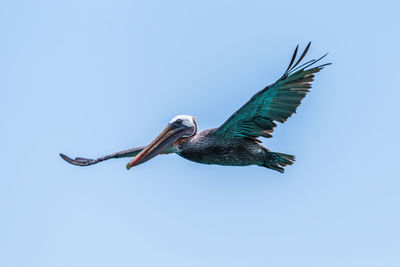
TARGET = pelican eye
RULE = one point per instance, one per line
(178, 122)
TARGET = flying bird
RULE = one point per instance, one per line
(235, 142)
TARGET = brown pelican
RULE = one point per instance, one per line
(234, 143)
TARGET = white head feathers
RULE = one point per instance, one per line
(188, 121)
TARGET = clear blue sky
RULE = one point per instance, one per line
(91, 77)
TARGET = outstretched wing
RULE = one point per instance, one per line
(121, 154)
(276, 102)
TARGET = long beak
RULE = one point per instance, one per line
(165, 139)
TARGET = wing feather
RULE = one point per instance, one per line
(86, 162)
(276, 102)
(121, 154)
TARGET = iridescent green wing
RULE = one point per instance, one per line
(276, 102)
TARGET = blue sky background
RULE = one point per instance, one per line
(92, 77)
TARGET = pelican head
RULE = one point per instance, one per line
(188, 121)
(181, 126)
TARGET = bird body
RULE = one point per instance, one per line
(207, 147)
(235, 142)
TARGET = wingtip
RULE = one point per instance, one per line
(293, 58)
(66, 158)
(76, 161)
